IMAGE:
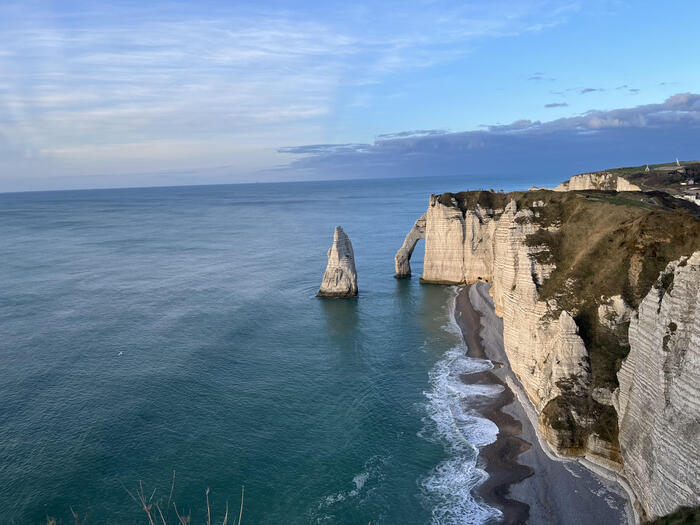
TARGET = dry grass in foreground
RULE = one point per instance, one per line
(157, 514)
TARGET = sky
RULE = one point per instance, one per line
(109, 94)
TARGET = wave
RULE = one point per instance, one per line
(371, 474)
(451, 421)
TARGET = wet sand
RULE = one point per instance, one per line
(525, 481)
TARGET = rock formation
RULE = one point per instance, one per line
(658, 403)
(505, 242)
(340, 279)
(403, 256)
(489, 245)
(613, 312)
(597, 181)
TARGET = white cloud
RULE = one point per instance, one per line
(76, 81)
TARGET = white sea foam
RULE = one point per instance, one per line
(452, 421)
(371, 472)
(451, 325)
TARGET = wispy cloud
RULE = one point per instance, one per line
(412, 133)
(627, 88)
(556, 105)
(540, 76)
(77, 84)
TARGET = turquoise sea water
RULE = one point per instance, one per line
(149, 330)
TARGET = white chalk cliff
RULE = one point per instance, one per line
(597, 181)
(658, 401)
(489, 245)
(340, 279)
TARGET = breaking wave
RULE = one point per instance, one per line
(451, 421)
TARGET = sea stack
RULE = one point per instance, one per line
(340, 279)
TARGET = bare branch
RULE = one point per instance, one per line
(129, 493)
(75, 515)
(225, 515)
(184, 520)
(146, 505)
(172, 486)
(160, 512)
(208, 508)
(240, 514)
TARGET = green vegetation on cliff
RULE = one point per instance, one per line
(605, 244)
(666, 177)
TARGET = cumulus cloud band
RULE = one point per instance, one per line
(593, 140)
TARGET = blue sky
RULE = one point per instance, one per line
(153, 93)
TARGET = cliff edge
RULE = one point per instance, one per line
(597, 181)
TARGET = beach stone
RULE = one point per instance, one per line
(340, 278)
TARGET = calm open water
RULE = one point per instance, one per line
(149, 330)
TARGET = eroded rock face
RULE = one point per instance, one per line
(542, 344)
(597, 181)
(613, 312)
(402, 260)
(658, 402)
(340, 279)
(657, 405)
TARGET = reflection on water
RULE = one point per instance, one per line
(341, 316)
(432, 309)
(405, 293)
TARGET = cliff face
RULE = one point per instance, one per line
(340, 279)
(658, 404)
(566, 272)
(597, 181)
(489, 244)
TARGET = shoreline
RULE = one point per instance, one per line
(526, 482)
(500, 456)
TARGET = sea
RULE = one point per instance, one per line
(157, 334)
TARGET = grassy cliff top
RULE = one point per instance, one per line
(649, 200)
(661, 177)
(608, 244)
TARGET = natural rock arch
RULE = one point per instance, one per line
(402, 260)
